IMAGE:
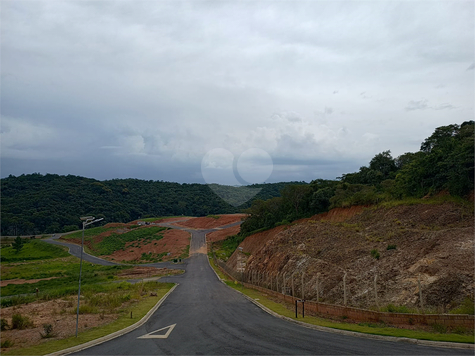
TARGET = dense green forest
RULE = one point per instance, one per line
(35, 203)
(445, 162)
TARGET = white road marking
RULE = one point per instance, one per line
(162, 336)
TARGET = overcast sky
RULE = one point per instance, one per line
(187, 91)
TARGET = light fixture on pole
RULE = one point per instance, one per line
(86, 220)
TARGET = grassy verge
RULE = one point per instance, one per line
(367, 328)
(138, 310)
(33, 250)
(65, 271)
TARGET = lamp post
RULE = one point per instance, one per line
(86, 220)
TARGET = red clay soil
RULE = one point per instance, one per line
(222, 234)
(23, 281)
(173, 241)
(210, 222)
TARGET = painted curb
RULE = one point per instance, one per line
(116, 333)
(444, 344)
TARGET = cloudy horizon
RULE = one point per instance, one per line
(227, 92)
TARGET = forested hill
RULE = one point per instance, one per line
(35, 203)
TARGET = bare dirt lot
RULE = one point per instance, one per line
(222, 234)
(211, 222)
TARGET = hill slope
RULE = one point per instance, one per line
(435, 241)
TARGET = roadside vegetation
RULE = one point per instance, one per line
(119, 305)
(32, 250)
(432, 333)
(106, 302)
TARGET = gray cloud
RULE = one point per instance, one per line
(145, 89)
(416, 105)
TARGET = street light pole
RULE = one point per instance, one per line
(86, 220)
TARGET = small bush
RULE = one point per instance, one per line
(21, 322)
(4, 324)
(442, 329)
(467, 307)
(48, 331)
(6, 343)
(375, 254)
(391, 247)
(391, 308)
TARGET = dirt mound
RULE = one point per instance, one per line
(222, 234)
(173, 244)
(211, 222)
(435, 242)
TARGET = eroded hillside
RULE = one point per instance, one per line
(433, 241)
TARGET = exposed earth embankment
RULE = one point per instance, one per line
(398, 244)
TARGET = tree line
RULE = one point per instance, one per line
(37, 204)
(445, 162)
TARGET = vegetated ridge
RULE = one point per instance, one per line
(37, 204)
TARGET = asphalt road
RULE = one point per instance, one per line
(205, 317)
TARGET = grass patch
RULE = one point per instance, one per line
(116, 241)
(361, 328)
(88, 233)
(33, 250)
(213, 216)
(225, 248)
(138, 310)
(66, 270)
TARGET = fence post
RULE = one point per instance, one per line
(376, 290)
(284, 289)
(318, 287)
(420, 291)
(344, 290)
(292, 277)
(277, 282)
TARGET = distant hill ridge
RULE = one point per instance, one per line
(36, 203)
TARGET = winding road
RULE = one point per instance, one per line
(205, 317)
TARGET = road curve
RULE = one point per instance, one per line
(210, 319)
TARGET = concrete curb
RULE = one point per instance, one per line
(454, 345)
(117, 333)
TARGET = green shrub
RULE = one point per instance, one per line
(48, 331)
(6, 343)
(375, 254)
(441, 329)
(391, 247)
(467, 307)
(21, 322)
(4, 324)
(391, 308)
